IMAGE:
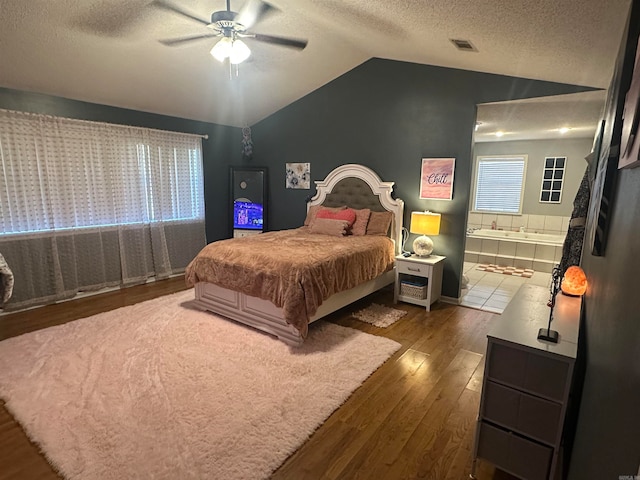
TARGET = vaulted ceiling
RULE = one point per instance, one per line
(108, 51)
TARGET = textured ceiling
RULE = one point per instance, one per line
(107, 51)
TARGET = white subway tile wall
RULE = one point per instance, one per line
(507, 248)
(545, 252)
(490, 246)
(551, 224)
(504, 222)
(474, 245)
(536, 223)
(525, 250)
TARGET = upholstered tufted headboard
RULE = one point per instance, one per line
(360, 187)
(354, 192)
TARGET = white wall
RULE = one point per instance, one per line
(574, 149)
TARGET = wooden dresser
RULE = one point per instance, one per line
(527, 385)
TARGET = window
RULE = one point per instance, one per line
(88, 205)
(552, 179)
(499, 183)
(59, 173)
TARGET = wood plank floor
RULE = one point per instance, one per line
(413, 418)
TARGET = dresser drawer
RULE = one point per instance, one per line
(526, 414)
(514, 454)
(534, 372)
(413, 268)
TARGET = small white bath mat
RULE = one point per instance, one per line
(516, 272)
(379, 315)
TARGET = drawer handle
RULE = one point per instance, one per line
(411, 269)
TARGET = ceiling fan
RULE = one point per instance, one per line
(232, 27)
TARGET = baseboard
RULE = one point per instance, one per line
(451, 300)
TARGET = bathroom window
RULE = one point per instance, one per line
(552, 179)
(499, 183)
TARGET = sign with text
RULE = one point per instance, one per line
(436, 179)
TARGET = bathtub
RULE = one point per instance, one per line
(526, 237)
(538, 251)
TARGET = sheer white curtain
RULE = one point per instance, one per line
(85, 205)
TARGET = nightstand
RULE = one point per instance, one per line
(418, 279)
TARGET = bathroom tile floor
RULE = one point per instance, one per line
(491, 291)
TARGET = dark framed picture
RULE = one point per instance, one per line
(599, 202)
(630, 144)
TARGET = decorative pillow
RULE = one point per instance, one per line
(362, 219)
(328, 226)
(379, 223)
(348, 214)
(313, 211)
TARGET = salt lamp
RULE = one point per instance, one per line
(574, 282)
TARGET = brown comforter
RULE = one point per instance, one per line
(294, 269)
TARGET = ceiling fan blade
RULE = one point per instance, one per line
(173, 8)
(285, 42)
(253, 11)
(174, 42)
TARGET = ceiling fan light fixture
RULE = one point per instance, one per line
(239, 52)
(235, 50)
(222, 49)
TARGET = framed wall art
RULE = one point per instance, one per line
(630, 143)
(298, 175)
(436, 178)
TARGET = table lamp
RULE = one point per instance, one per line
(424, 223)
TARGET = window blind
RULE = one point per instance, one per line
(499, 184)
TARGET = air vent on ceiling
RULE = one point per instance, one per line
(464, 45)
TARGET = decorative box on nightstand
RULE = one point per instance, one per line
(418, 279)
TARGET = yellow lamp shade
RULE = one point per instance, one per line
(574, 282)
(425, 223)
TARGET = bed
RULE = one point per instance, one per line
(279, 282)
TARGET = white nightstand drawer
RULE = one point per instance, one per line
(412, 268)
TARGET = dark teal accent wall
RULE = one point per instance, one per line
(388, 115)
(222, 147)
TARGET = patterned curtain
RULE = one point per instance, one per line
(87, 205)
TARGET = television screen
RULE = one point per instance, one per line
(247, 215)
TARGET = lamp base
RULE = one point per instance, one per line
(423, 246)
(548, 335)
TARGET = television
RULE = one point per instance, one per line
(247, 215)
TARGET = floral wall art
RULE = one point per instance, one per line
(298, 175)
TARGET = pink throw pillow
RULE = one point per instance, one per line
(313, 211)
(348, 214)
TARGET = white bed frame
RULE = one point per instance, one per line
(264, 315)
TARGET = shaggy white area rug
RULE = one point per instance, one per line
(161, 390)
(379, 315)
